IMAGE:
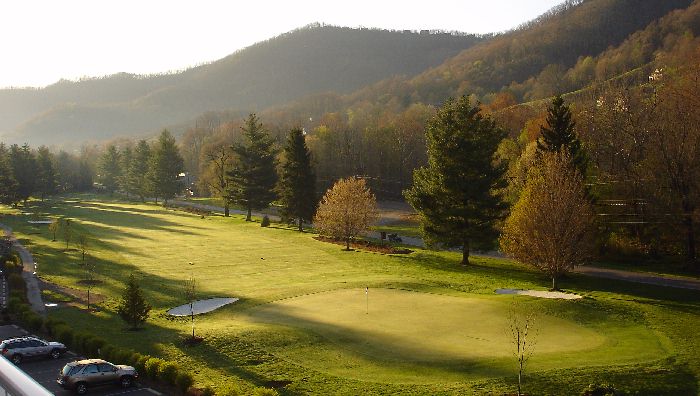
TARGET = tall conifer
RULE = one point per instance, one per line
(297, 187)
(559, 134)
(455, 193)
(252, 180)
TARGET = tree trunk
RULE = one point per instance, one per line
(250, 211)
(554, 283)
(226, 209)
(301, 226)
(465, 253)
(347, 243)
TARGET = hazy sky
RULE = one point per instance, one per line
(45, 40)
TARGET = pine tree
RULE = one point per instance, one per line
(297, 187)
(126, 159)
(8, 184)
(133, 308)
(47, 172)
(166, 165)
(559, 134)
(110, 169)
(252, 180)
(24, 169)
(455, 193)
(138, 169)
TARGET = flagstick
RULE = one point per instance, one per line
(367, 299)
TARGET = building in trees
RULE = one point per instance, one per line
(551, 227)
(347, 209)
(165, 166)
(455, 193)
(297, 185)
(252, 180)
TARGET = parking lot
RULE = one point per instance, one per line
(45, 372)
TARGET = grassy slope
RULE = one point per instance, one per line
(232, 258)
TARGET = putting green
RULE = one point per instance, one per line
(402, 336)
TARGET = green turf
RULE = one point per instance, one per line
(437, 328)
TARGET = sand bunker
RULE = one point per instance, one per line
(201, 306)
(539, 293)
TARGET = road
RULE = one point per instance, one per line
(45, 372)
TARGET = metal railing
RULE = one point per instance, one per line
(15, 382)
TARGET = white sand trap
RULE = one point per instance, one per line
(539, 293)
(39, 221)
(201, 306)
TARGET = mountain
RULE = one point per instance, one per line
(309, 60)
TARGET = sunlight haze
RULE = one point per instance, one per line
(44, 41)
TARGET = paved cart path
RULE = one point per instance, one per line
(28, 273)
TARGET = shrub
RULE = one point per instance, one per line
(183, 381)
(78, 341)
(93, 345)
(107, 352)
(51, 323)
(134, 359)
(207, 391)
(63, 333)
(230, 390)
(16, 282)
(167, 372)
(18, 294)
(140, 365)
(32, 321)
(600, 390)
(13, 304)
(265, 221)
(152, 366)
(265, 392)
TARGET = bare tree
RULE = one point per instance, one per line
(89, 266)
(522, 335)
(53, 228)
(347, 209)
(67, 232)
(551, 227)
(83, 245)
(190, 294)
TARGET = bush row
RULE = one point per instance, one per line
(156, 369)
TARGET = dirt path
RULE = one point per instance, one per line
(680, 282)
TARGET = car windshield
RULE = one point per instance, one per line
(67, 369)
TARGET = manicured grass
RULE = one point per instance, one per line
(433, 327)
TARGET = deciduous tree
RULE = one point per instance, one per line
(551, 227)
(456, 193)
(347, 209)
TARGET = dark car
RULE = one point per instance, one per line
(80, 375)
(18, 349)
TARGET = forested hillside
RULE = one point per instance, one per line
(308, 60)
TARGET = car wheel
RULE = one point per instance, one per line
(126, 381)
(81, 388)
(17, 359)
(55, 354)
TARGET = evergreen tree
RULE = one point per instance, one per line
(253, 177)
(8, 184)
(126, 159)
(138, 169)
(133, 308)
(297, 187)
(455, 193)
(559, 134)
(47, 172)
(166, 165)
(110, 169)
(24, 169)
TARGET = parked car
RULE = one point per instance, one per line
(80, 375)
(18, 349)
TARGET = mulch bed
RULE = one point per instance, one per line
(367, 245)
